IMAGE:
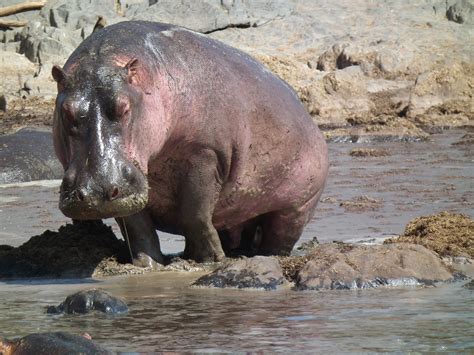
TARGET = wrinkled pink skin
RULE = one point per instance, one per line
(227, 148)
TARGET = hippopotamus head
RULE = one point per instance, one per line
(93, 121)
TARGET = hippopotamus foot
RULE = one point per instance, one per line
(139, 231)
(204, 248)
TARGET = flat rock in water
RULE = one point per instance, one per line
(258, 272)
(90, 300)
(343, 266)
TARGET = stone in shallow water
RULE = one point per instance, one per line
(343, 266)
(90, 300)
(258, 272)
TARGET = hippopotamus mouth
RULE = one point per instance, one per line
(92, 200)
(74, 208)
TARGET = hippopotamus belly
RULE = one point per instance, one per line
(178, 132)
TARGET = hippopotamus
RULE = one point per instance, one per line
(90, 300)
(166, 129)
(51, 344)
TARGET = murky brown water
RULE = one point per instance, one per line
(165, 314)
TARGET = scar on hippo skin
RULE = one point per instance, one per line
(176, 132)
(90, 300)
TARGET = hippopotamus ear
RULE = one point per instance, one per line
(59, 76)
(132, 68)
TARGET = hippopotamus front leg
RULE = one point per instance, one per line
(140, 231)
(199, 192)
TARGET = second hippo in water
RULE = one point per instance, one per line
(166, 129)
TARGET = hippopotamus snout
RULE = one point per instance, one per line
(117, 189)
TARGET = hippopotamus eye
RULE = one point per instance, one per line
(70, 117)
(123, 108)
(68, 113)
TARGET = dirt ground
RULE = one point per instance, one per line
(25, 113)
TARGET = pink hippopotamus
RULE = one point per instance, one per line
(166, 129)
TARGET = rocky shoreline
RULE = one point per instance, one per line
(397, 70)
(90, 249)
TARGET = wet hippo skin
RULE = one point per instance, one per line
(166, 129)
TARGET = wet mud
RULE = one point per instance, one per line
(74, 251)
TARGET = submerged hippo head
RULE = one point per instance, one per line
(93, 122)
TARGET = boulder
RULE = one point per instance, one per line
(15, 69)
(440, 86)
(258, 272)
(343, 266)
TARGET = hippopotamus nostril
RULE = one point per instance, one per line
(113, 193)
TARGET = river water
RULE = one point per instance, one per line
(167, 315)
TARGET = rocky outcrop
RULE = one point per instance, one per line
(90, 300)
(209, 16)
(342, 266)
(352, 63)
(258, 272)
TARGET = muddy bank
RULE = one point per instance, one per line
(91, 249)
(74, 251)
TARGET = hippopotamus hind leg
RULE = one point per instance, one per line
(282, 229)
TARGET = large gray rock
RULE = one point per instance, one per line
(212, 15)
(342, 266)
(258, 272)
